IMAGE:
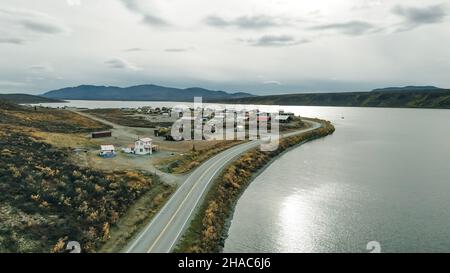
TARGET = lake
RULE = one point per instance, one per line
(383, 176)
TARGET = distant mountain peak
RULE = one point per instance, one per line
(144, 92)
(411, 88)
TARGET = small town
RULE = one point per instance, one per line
(240, 128)
(233, 122)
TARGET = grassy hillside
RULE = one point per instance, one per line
(49, 120)
(400, 99)
(46, 199)
(25, 98)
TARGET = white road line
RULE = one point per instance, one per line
(186, 198)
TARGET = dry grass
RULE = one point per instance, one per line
(49, 120)
(136, 217)
(47, 198)
(120, 117)
(187, 161)
(64, 140)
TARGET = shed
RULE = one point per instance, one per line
(101, 134)
(107, 150)
(283, 118)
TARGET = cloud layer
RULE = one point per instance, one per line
(417, 16)
(321, 45)
(17, 26)
(247, 22)
(353, 28)
(146, 12)
(119, 63)
(276, 41)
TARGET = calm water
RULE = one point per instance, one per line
(383, 176)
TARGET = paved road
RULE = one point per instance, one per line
(163, 232)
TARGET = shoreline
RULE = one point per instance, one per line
(44, 104)
(206, 234)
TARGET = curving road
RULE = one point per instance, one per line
(163, 232)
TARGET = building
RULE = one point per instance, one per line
(107, 151)
(143, 146)
(290, 114)
(283, 118)
(101, 134)
(264, 118)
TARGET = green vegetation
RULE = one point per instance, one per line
(46, 200)
(439, 98)
(209, 227)
(123, 118)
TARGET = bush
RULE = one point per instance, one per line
(57, 200)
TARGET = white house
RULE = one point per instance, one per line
(143, 146)
(107, 151)
(283, 118)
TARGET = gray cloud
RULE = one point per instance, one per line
(119, 63)
(178, 49)
(272, 83)
(134, 49)
(415, 17)
(18, 26)
(41, 68)
(352, 28)
(148, 17)
(16, 41)
(276, 41)
(246, 22)
(154, 21)
(43, 27)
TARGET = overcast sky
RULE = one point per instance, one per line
(259, 46)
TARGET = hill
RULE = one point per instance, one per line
(47, 120)
(139, 93)
(407, 89)
(438, 98)
(49, 199)
(25, 98)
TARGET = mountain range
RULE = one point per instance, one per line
(396, 97)
(148, 92)
(399, 97)
(406, 89)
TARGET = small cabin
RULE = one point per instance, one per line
(107, 151)
(290, 114)
(101, 134)
(283, 118)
